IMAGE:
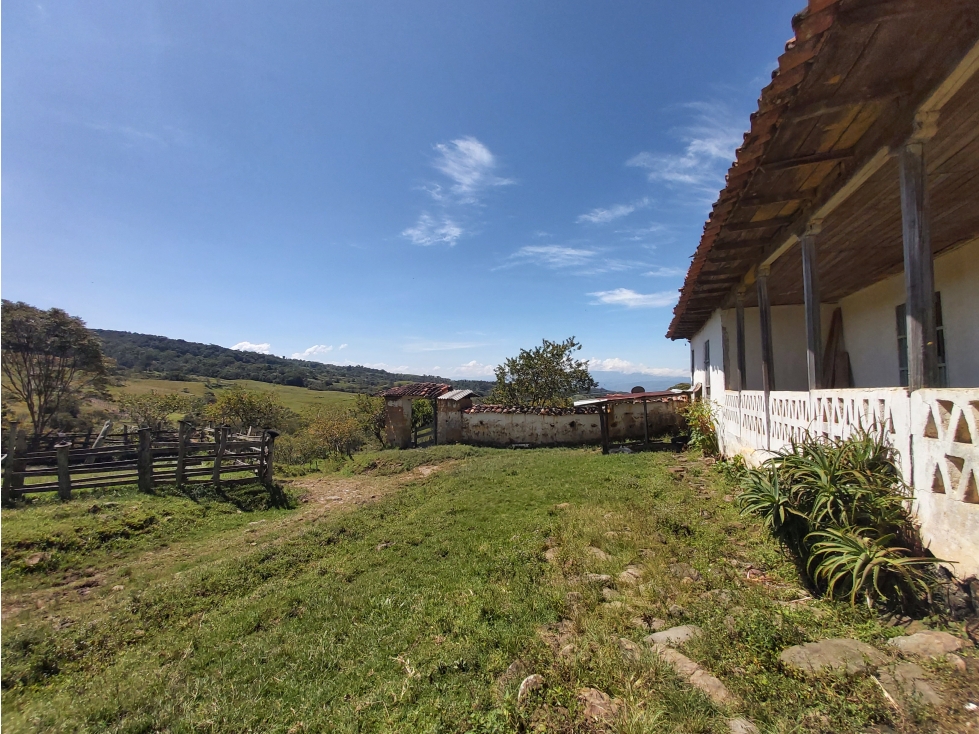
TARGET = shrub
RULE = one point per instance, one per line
(841, 507)
(243, 408)
(153, 409)
(701, 418)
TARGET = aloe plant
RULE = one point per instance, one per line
(841, 506)
(856, 563)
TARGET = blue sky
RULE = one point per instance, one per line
(419, 186)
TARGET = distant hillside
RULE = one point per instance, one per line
(176, 359)
(619, 382)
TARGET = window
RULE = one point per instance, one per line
(902, 343)
(707, 369)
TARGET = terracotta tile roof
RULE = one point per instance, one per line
(418, 390)
(842, 62)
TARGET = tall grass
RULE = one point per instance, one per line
(841, 507)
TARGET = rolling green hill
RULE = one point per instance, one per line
(176, 359)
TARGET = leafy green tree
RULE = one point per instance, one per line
(48, 358)
(152, 409)
(243, 408)
(548, 375)
(370, 413)
(421, 413)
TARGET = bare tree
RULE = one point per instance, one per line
(47, 357)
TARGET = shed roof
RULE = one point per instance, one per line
(845, 92)
(457, 395)
(418, 390)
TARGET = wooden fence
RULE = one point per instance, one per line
(144, 457)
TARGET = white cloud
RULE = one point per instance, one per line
(249, 347)
(389, 367)
(470, 165)
(472, 369)
(663, 272)
(603, 215)
(342, 346)
(430, 231)
(631, 299)
(317, 350)
(433, 346)
(710, 144)
(626, 367)
(554, 256)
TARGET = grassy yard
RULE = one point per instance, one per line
(410, 591)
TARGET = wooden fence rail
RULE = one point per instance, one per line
(190, 455)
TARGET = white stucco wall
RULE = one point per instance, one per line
(870, 323)
(788, 338)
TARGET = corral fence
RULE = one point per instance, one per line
(144, 457)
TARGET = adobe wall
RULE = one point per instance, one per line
(501, 427)
(397, 424)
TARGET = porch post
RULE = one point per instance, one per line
(739, 338)
(767, 353)
(810, 284)
(919, 272)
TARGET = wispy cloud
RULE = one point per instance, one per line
(317, 350)
(626, 367)
(554, 256)
(470, 168)
(617, 211)
(343, 346)
(470, 165)
(662, 272)
(249, 347)
(631, 299)
(436, 346)
(431, 231)
(572, 260)
(710, 141)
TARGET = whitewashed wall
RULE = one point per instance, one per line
(870, 322)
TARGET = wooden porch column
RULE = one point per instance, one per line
(767, 350)
(919, 271)
(810, 286)
(765, 321)
(739, 338)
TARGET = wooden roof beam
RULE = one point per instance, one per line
(759, 224)
(808, 160)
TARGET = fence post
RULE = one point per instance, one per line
(98, 441)
(64, 473)
(145, 460)
(183, 433)
(220, 439)
(269, 465)
(8, 467)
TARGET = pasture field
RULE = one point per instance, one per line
(413, 591)
(294, 398)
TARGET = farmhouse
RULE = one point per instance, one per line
(836, 284)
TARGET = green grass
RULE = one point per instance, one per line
(402, 615)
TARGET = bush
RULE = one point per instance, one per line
(701, 418)
(243, 408)
(841, 507)
(153, 409)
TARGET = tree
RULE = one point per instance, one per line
(371, 414)
(243, 408)
(152, 409)
(335, 432)
(547, 375)
(48, 358)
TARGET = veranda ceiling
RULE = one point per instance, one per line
(848, 85)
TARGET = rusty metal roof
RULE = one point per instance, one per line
(659, 396)
(457, 395)
(418, 390)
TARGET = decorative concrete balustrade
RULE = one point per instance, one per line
(935, 433)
